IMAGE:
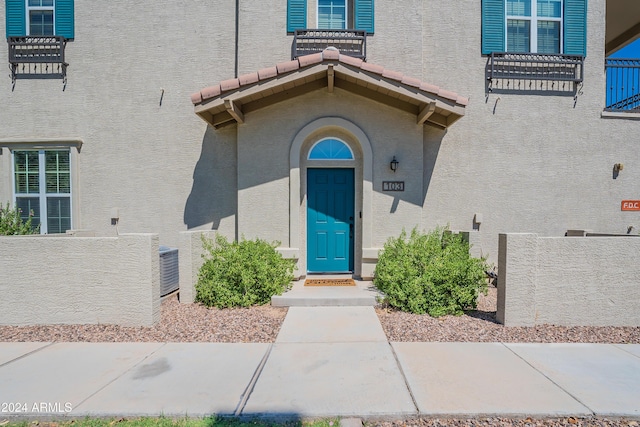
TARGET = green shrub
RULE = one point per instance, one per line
(11, 224)
(430, 273)
(241, 274)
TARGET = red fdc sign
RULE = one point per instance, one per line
(631, 205)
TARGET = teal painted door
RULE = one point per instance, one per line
(330, 220)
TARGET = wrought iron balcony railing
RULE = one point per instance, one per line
(37, 57)
(348, 42)
(534, 71)
(623, 85)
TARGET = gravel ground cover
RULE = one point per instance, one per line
(481, 326)
(178, 323)
(195, 323)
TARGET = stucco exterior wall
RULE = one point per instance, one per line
(132, 67)
(263, 166)
(80, 280)
(528, 162)
(525, 162)
(568, 281)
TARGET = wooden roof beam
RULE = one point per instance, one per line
(234, 110)
(330, 78)
(426, 112)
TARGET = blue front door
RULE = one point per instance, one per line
(330, 223)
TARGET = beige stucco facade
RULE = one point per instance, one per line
(573, 281)
(80, 280)
(522, 162)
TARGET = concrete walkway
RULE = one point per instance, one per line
(326, 361)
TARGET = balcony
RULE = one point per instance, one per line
(348, 42)
(623, 85)
(534, 72)
(37, 57)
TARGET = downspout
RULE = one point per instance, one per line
(237, 36)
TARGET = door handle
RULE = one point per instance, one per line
(351, 227)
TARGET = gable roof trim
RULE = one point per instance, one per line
(329, 54)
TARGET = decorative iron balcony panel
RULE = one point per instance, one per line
(348, 42)
(623, 85)
(37, 57)
(534, 72)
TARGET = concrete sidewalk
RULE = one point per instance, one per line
(326, 361)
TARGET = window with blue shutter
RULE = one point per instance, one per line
(575, 27)
(296, 15)
(65, 19)
(40, 17)
(16, 18)
(535, 26)
(493, 22)
(333, 14)
(364, 15)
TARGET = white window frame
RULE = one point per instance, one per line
(42, 184)
(533, 25)
(29, 9)
(348, 6)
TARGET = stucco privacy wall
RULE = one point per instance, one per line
(80, 280)
(191, 250)
(568, 281)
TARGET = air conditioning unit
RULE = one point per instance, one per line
(169, 272)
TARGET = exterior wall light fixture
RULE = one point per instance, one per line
(618, 167)
(394, 164)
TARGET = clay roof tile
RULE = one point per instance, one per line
(463, 100)
(330, 53)
(285, 67)
(372, 68)
(267, 73)
(393, 75)
(410, 81)
(229, 84)
(210, 92)
(314, 58)
(196, 98)
(248, 79)
(448, 94)
(350, 60)
(426, 87)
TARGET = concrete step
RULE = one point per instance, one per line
(363, 294)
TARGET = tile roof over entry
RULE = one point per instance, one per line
(229, 102)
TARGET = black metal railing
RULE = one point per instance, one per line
(348, 42)
(37, 57)
(623, 84)
(538, 71)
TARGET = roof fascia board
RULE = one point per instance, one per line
(398, 89)
(233, 105)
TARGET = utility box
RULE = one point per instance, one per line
(169, 271)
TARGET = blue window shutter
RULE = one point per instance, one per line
(296, 15)
(493, 22)
(364, 16)
(16, 18)
(575, 27)
(64, 19)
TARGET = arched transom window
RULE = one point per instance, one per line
(330, 149)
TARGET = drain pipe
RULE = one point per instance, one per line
(237, 36)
